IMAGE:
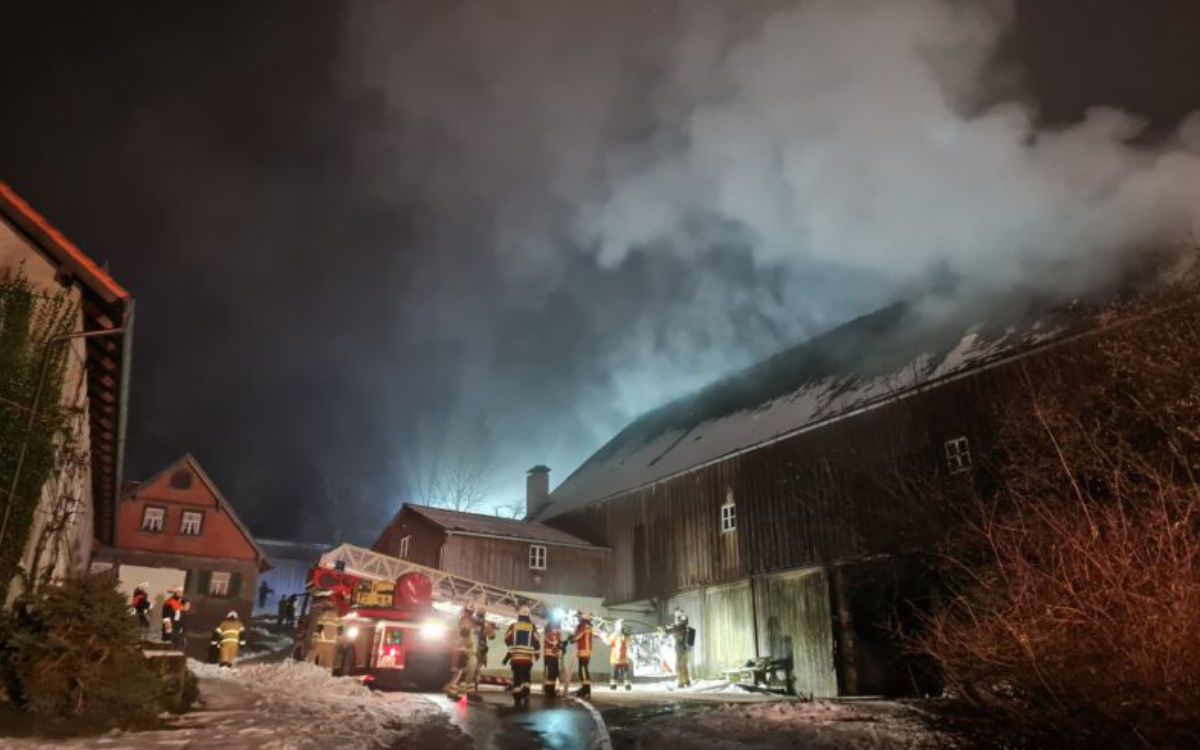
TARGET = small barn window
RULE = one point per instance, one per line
(152, 518)
(404, 546)
(181, 479)
(537, 557)
(218, 584)
(728, 518)
(191, 522)
(958, 455)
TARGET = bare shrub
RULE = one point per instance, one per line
(1075, 619)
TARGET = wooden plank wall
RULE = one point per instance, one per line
(505, 563)
(794, 623)
(425, 544)
(729, 627)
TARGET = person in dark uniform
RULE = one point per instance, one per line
(523, 647)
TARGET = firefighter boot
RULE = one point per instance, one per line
(584, 691)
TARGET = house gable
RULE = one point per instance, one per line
(181, 511)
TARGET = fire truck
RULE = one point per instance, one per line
(391, 635)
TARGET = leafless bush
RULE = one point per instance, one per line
(1076, 615)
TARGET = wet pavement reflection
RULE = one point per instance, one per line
(493, 723)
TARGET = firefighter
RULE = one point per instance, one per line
(464, 680)
(140, 604)
(618, 656)
(484, 631)
(173, 622)
(322, 647)
(684, 637)
(228, 637)
(523, 646)
(551, 654)
(582, 638)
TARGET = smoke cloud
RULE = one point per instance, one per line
(625, 201)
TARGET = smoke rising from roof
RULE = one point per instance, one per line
(652, 195)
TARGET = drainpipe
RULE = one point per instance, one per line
(33, 409)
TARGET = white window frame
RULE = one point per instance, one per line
(958, 454)
(728, 518)
(159, 516)
(404, 540)
(218, 583)
(537, 557)
(186, 527)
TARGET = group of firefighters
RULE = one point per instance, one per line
(227, 638)
(526, 645)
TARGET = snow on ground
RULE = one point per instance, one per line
(697, 686)
(780, 725)
(289, 705)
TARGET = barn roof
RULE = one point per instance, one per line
(106, 307)
(868, 361)
(477, 524)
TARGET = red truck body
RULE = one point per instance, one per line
(392, 636)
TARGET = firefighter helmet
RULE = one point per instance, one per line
(232, 615)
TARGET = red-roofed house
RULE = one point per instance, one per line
(177, 529)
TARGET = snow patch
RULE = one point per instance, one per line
(290, 705)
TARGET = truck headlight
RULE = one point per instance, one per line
(433, 630)
(352, 632)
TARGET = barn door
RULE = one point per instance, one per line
(794, 623)
(728, 628)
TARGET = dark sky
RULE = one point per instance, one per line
(351, 228)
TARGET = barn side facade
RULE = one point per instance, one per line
(809, 545)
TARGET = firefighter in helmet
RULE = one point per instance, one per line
(322, 647)
(684, 637)
(618, 656)
(551, 655)
(523, 647)
(582, 638)
(484, 631)
(228, 637)
(466, 663)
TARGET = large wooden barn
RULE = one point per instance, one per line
(759, 505)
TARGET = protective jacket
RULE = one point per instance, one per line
(553, 642)
(522, 641)
(583, 638)
(618, 649)
(228, 637)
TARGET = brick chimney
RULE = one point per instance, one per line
(537, 490)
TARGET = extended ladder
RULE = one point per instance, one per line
(447, 587)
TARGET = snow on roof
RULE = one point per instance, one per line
(859, 364)
(477, 523)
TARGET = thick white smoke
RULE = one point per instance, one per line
(838, 134)
(620, 201)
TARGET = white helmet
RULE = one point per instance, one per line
(232, 615)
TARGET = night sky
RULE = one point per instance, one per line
(362, 237)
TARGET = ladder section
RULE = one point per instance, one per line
(447, 587)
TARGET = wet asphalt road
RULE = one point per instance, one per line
(493, 723)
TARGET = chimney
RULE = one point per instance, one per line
(537, 490)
